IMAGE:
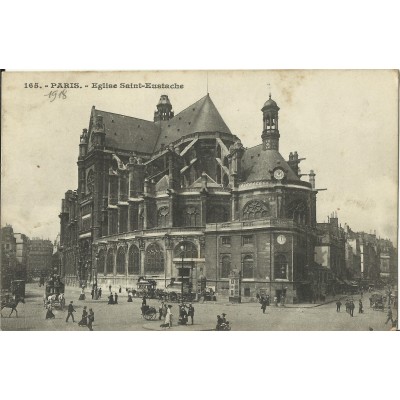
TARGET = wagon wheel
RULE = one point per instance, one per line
(150, 314)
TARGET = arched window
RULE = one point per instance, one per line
(248, 267)
(154, 259)
(90, 182)
(225, 266)
(191, 216)
(162, 217)
(133, 262)
(141, 220)
(216, 213)
(298, 211)
(101, 262)
(225, 180)
(280, 267)
(110, 262)
(189, 251)
(255, 209)
(121, 260)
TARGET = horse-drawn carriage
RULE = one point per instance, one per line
(54, 293)
(377, 302)
(149, 312)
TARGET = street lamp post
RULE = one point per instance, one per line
(183, 253)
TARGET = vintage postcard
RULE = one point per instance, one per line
(199, 200)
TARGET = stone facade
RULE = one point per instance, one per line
(181, 198)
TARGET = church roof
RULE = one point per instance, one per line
(129, 133)
(202, 116)
(257, 163)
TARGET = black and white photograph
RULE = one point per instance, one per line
(241, 200)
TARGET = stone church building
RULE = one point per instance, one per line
(180, 197)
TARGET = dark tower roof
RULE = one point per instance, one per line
(270, 104)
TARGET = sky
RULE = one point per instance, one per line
(344, 122)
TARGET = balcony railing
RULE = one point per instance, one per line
(247, 225)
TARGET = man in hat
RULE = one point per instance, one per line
(338, 305)
(191, 312)
(70, 311)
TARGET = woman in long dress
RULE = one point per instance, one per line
(168, 317)
(83, 321)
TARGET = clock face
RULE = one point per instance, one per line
(281, 239)
(279, 174)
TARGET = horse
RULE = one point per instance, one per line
(13, 305)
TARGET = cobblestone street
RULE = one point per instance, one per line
(243, 317)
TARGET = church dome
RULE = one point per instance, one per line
(270, 104)
(164, 100)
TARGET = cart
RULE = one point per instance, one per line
(149, 313)
(55, 288)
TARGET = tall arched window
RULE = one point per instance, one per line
(256, 209)
(121, 260)
(133, 262)
(189, 250)
(248, 267)
(280, 267)
(298, 211)
(154, 259)
(225, 266)
(217, 213)
(191, 216)
(110, 262)
(162, 217)
(141, 220)
(101, 262)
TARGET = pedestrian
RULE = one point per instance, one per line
(120, 289)
(90, 319)
(160, 311)
(110, 299)
(83, 321)
(191, 312)
(389, 316)
(360, 307)
(144, 302)
(268, 300)
(263, 304)
(219, 323)
(276, 301)
(168, 317)
(183, 316)
(352, 307)
(115, 298)
(338, 305)
(49, 313)
(129, 297)
(71, 310)
(92, 293)
(223, 318)
(82, 295)
(44, 301)
(109, 288)
(283, 298)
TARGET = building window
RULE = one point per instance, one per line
(90, 182)
(225, 266)
(191, 216)
(154, 259)
(101, 261)
(226, 240)
(248, 267)
(162, 217)
(256, 209)
(246, 292)
(133, 261)
(216, 213)
(110, 262)
(190, 250)
(298, 211)
(248, 239)
(121, 261)
(280, 267)
(141, 220)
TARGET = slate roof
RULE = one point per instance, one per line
(129, 133)
(202, 116)
(256, 164)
